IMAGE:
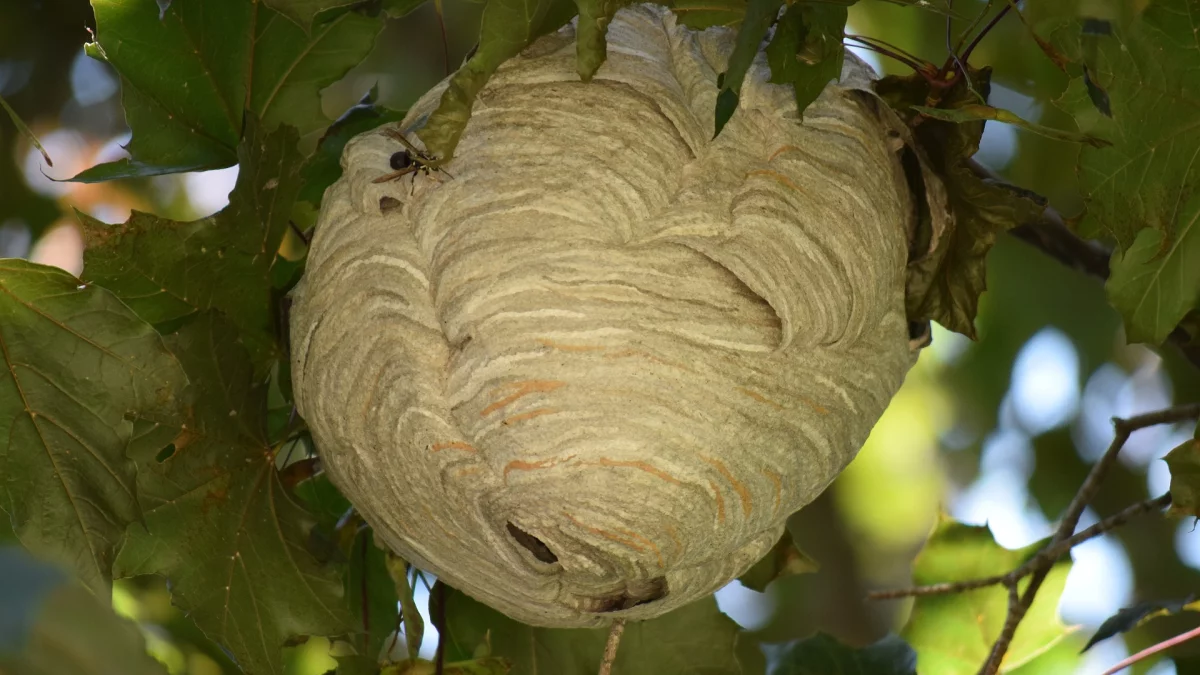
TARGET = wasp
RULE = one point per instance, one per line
(408, 161)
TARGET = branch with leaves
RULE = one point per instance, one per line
(1036, 568)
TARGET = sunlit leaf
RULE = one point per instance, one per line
(696, 639)
(83, 382)
(783, 560)
(166, 270)
(1184, 463)
(53, 625)
(822, 654)
(807, 50)
(953, 633)
(218, 523)
(507, 27)
(189, 78)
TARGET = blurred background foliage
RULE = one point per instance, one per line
(1000, 431)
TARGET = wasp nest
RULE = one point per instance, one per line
(589, 369)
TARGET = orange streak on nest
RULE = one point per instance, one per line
(523, 389)
(822, 410)
(571, 348)
(528, 415)
(457, 445)
(778, 481)
(777, 177)
(720, 502)
(671, 532)
(782, 149)
(624, 537)
(522, 465)
(738, 486)
(643, 466)
(758, 397)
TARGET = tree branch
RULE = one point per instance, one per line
(1064, 539)
(1049, 234)
(1124, 428)
(1046, 557)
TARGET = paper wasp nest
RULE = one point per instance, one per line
(589, 370)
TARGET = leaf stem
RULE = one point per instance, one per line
(610, 647)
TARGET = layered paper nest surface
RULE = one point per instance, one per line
(589, 370)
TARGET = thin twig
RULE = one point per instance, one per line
(1047, 556)
(1083, 496)
(1154, 649)
(610, 647)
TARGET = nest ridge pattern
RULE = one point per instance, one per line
(589, 369)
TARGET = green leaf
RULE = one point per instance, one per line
(84, 382)
(591, 47)
(822, 654)
(189, 78)
(414, 625)
(325, 166)
(975, 112)
(219, 524)
(953, 633)
(371, 593)
(24, 130)
(399, 8)
(1148, 179)
(701, 14)
(302, 12)
(166, 270)
(54, 625)
(783, 560)
(1128, 618)
(807, 50)
(1184, 463)
(696, 639)
(760, 14)
(1155, 282)
(507, 27)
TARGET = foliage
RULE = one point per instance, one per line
(43, 611)
(953, 633)
(1143, 192)
(668, 644)
(1129, 618)
(145, 410)
(824, 655)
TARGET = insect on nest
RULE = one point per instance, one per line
(409, 161)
